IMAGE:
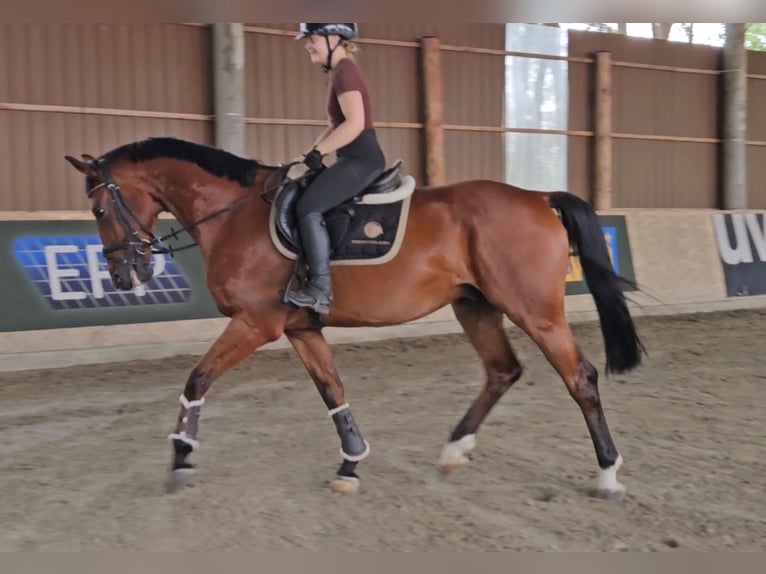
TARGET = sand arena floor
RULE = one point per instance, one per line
(84, 452)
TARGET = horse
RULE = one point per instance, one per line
(489, 249)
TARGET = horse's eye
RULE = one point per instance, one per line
(99, 212)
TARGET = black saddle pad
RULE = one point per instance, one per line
(359, 234)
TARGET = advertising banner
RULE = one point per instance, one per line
(616, 236)
(741, 239)
(53, 275)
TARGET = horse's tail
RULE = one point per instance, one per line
(623, 347)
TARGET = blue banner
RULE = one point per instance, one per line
(70, 272)
(54, 275)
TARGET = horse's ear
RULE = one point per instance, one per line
(85, 167)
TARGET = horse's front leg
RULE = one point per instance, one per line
(238, 340)
(315, 354)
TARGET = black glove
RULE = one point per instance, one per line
(313, 160)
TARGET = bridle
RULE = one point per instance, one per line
(134, 242)
(139, 245)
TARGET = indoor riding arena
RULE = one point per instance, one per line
(641, 129)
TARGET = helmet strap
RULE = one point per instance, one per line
(328, 66)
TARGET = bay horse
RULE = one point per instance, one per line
(488, 249)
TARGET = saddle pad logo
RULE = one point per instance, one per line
(373, 229)
(70, 273)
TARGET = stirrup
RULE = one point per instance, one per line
(299, 273)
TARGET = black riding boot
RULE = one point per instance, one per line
(317, 295)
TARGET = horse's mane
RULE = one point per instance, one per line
(213, 160)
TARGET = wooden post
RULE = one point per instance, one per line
(734, 192)
(602, 169)
(434, 107)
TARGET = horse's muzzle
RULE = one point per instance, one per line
(127, 277)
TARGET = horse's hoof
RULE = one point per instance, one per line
(453, 455)
(448, 465)
(610, 495)
(344, 484)
(180, 477)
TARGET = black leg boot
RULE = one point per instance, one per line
(317, 295)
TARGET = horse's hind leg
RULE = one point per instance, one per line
(237, 341)
(555, 339)
(317, 358)
(483, 324)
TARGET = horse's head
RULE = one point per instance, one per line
(125, 217)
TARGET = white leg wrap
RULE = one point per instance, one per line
(182, 437)
(607, 479)
(336, 410)
(189, 404)
(358, 457)
(457, 450)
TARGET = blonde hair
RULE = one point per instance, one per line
(351, 48)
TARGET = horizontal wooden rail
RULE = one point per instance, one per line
(284, 122)
(322, 123)
(496, 52)
(586, 133)
(658, 67)
(269, 31)
(148, 114)
(496, 129)
(681, 139)
(399, 125)
(443, 47)
(663, 138)
(375, 41)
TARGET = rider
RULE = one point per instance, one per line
(350, 134)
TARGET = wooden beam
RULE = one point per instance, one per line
(434, 111)
(16, 107)
(602, 169)
(662, 68)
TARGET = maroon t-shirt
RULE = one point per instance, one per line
(347, 77)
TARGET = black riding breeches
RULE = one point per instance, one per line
(358, 165)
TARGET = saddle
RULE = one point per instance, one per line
(366, 229)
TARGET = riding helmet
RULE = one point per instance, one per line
(345, 31)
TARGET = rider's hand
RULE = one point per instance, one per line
(312, 161)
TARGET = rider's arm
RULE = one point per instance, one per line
(325, 133)
(347, 131)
